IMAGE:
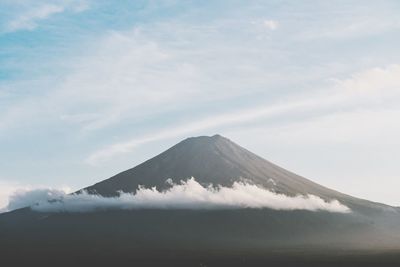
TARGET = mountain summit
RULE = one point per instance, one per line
(211, 160)
(215, 160)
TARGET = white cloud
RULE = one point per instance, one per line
(6, 189)
(355, 127)
(346, 22)
(15, 196)
(191, 195)
(136, 74)
(29, 19)
(198, 126)
(372, 82)
(271, 24)
(25, 198)
(128, 76)
(360, 90)
(363, 109)
(79, 5)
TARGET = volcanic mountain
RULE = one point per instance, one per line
(217, 160)
(370, 233)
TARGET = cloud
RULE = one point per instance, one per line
(241, 116)
(25, 198)
(126, 76)
(14, 196)
(6, 189)
(131, 75)
(29, 19)
(363, 89)
(189, 195)
(271, 24)
(378, 80)
(353, 22)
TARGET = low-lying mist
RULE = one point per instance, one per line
(187, 194)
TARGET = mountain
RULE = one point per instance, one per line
(217, 160)
(367, 236)
(211, 160)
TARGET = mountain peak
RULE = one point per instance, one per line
(203, 145)
(210, 160)
(217, 136)
(205, 138)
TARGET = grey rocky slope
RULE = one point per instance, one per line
(217, 160)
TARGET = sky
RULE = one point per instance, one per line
(91, 88)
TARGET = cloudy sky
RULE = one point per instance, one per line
(90, 88)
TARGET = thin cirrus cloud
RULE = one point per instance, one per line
(128, 72)
(375, 80)
(362, 89)
(187, 194)
(30, 19)
(109, 152)
(271, 24)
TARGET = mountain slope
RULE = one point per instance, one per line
(217, 160)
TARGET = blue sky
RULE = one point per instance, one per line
(91, 88)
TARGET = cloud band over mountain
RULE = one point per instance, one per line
(187, 194)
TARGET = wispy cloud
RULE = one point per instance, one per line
(135, 74)
(355, 92)
(236, 117)
(271, 24)
(30, 19)
(378, 80)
